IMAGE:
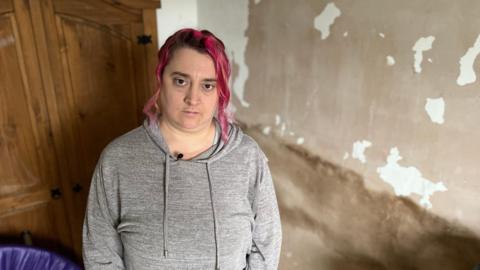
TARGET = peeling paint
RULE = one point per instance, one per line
(4, 42)
(238, 56)
(231, 110)
(423, 44)
(323, 21)
(435, 108)
(358, 150)
(278, 120)
(408, 180)
(390, 60)
(232, 34)
(266, 130)
(326, 207)
(467, 73)
(282, 129)
(300, 140)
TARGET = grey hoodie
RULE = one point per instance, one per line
(149, 210)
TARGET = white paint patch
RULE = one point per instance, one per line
(291, 133)
(382, 35)
(358, 150)
(229, 21)
(230, 111)
(289, 254)
(277, 120)
(408, 180)
(423, 44)
(282, 129)
(390, 60)
(323, 21)
(300, 140)
(266, 130)
(345, 156)
(435, 108)
(4, 42)
(257, 2)
(345, 34)
(430, 60)
(467, 74)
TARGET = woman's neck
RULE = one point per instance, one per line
(189, 144)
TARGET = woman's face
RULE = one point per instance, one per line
(189, 94)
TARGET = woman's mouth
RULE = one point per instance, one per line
(190, 112)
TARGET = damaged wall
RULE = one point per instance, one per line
(381, 92)
(367, 111)
(331, 221)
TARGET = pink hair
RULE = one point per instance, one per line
(204, 42)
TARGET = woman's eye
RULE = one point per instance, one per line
(209, 86)
(179, 81)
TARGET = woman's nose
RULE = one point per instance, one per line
(192, 96)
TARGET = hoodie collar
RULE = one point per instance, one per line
(214, 153)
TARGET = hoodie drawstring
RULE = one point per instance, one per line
(165, 212)
(165, 203)
(215, 225)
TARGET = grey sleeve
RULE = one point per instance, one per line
(267, 231)
(102, 247)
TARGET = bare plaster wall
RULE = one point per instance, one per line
(399, 135)
(339, 90)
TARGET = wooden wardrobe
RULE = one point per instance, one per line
(74, 74)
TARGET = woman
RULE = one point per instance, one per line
(187, 189)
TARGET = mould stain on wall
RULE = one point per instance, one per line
(332, 221)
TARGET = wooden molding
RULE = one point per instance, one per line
(140, 4)
(5, 6)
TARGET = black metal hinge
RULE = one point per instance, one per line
(144, 39)
(55, 193)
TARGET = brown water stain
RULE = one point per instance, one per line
(332, 221)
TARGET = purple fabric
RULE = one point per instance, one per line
(25, 257)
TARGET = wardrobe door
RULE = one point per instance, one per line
(101, 57)
(31, 196)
